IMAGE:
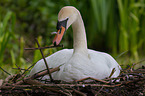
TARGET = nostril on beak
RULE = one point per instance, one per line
(54, 43)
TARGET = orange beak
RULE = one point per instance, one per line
(59, 36)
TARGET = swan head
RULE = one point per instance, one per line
(66, 16)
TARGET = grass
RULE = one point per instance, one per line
(6, 32)
(121, 23)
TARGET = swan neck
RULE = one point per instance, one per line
(79, 36)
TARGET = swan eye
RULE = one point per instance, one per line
(61, 23)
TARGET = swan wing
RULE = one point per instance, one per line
(54, 60)
(104, 64)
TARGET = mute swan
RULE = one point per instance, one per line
(79, 62)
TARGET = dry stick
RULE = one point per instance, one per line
(39, 84)
(137, 72)
(99, 91)
(44, 73)
(113, 70)
(28, 68)
(65, 90)
(78, 92)
(51, 79)
(26, 86)
(128, 73)
(67, 94)
(13, 92)
(19, 68)
(112, 78)
(9, 77)
(43, 47)
(137, 63)
(54, 89)
(39, 74)
(22, 77)
(35, 83)
(92, 79)
(52, 85)
(5, 71)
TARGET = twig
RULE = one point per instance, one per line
(99, 91)
(36, 76)
(22, 77)
(28, 68)
(35, 83)
(9, 77)
(92, 79)
(14, 79)
(64, 93)
(136, 63)
(113, 70)
(68, 93)
(6, 81)
(121, 54)
(43, 47)
(57, 87)
(4, 71)
(78, 92)
(19, 68)
(45, 62)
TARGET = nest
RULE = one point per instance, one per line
(130, 83)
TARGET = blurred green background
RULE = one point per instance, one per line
(113, 26)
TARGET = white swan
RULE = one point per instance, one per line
(79, 62)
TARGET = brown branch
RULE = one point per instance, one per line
(35, 83)
(9, 78)
(43, 47)
(60, 91)
(113, 70)
(57, 87)
(19, 68)
(99, 91)
(22, 77)
(65, 90)
(28, 68)
(5, 71)
(47, 67)
(37, 75)
(113, 78)
(78, 92)
(92, 79)
(136, 63)
(44, 73)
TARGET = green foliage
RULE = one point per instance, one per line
(119, 23)
(130, 16)
(11, 48)
(123, 37)
(105, 29)
(6, 32)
